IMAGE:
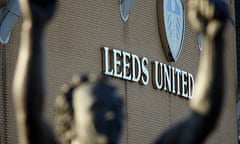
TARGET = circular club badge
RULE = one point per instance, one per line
(171, 23)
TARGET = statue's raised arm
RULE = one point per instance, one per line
(207, 17)
(29, 78)
(88, 111)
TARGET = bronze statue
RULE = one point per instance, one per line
(88, 110)
(209, 18)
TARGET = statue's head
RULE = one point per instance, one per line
(89, 112)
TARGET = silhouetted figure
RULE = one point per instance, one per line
(209, 18)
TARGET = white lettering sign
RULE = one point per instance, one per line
(131, 67)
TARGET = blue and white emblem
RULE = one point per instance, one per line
(172, 17)
(126, 7)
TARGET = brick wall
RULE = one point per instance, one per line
(75, 38)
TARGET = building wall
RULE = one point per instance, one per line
(75, 38)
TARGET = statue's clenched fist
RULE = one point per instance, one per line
(39, 11)
(206, 16)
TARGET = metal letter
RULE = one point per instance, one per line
(116, 63)
(173, 80)
(126, 66)
(156, 75)
(167, 77)
(184, 84)
(145, 76)
(107, 61)
(190, 86)
(135, 77)
(178, 71)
